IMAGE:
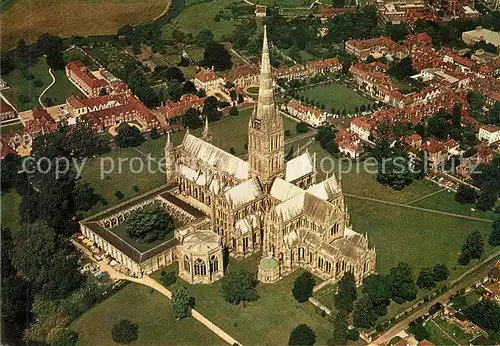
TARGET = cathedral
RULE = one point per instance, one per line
(266, 204)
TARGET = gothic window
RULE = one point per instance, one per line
(320, 262)
(199, 267)
(328, 267)
(187, 266)
(245, 244)
(301, 253)
(214, 264)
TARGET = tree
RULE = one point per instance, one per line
(472, 249)
(476, 101)
(346, 294)
(171, 73)
(494, 238)
(302, 127)
(401, 69)
(216, 56)
(487, 196)
(326, 138)
(440, 272)
(189, 88)
(426, 278)
(239, 286)
(119, 194)
(84, 196)
(438, 126)
(191, 119)
(168, 279)
(233, 111)
(418, 330)
(485, 313)
(363, 314)
(211, 108)
(340, 329)
(466, 194)
(303, 287)
(149, 224)
(128, 136)
(302, 335)
(154, 133)
(65, 337)
(378, 288)
(204, 38)
(181, 303)
(403, 286)
(47, 262)
(124, 332)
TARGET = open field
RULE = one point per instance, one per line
(201, 16)
(419, 238)
(336, 96)
(62, 89)
(153, 314)
(121, 176)
(20, 85)
(267, 321)
(9, 204)
(445, 201)
(29, 19)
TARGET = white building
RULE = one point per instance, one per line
(489, 133)
(361, 128)
(308, 114)
(207, 80)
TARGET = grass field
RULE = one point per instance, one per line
(419, 238)
(453, 330)
(153, 314)
(267, 321)
(120, 177)
(62, 88)
(336, 96)
(19, 85)
(29, 19)
(445, 201)
(195, 18)
(9, 204)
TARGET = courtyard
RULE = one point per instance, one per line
(153, 314)
(336, 96)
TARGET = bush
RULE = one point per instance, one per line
(234, 111)
(124, 332)
(154, 133)
(119, 194)
(302, 335)
(303, 287)
(65, 337)
(169, 278)
(136, 188)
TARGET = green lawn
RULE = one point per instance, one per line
(437, 337)
(419, 238)
(267, 321)
(9, 204)
(121, 231)
(62, 89)
(336, 96)
(445, 201)
(19, 85)
(325, 295)
(453, 330)
(121, 177)
(153, 314)
(195, 18)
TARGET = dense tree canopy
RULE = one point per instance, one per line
(128, 136)
(340, 329)
(149, 224)
(494, 238)
(124, 332)
(466, 194)
(303, 287)
(472, 249)
(363, 314)
(302, 335)
(486, 314)
(192, 119)
(216, 56)
(239, 286)
(403, 286)
(379, 289)
(181, 303)
(346, 293)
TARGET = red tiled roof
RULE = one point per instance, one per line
(5, 107)
(206, 76)
(81, 71)
(361, 122)
(304, 108)
(175, 109)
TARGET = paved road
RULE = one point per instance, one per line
(444, 298)
(150, 282)
(47, 88)
(419, 208)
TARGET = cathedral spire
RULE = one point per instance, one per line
(207, 134)
(265, 106)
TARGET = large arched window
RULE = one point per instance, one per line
(199, 267)
(214, 264)
(187, 266)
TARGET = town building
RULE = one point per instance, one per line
(261, 205)
(40, 123)
(376, 47)
(207, 80)
(480, 34)
(171, 112)
(81, 76)
(489, 133)
(349, 143)
(260, 11)
(439, 152)
(308, 114)
(6, 111)
(361, 127)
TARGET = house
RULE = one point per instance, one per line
(377, 47)
(439, 152)
(480, 34)
(243, 76)
(349, 143)
(414, 141)
(207, 80)
(6, 111)
(464, 64)
(41, 123)
(484, 154)
(80, 75)
(308, 114)
(489, 133)
(171, 112)
(361, 127)
(422, 38)
(260, 11)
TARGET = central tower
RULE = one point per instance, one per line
(266, 137)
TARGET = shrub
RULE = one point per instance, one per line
(124, 332)
(169, 278)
